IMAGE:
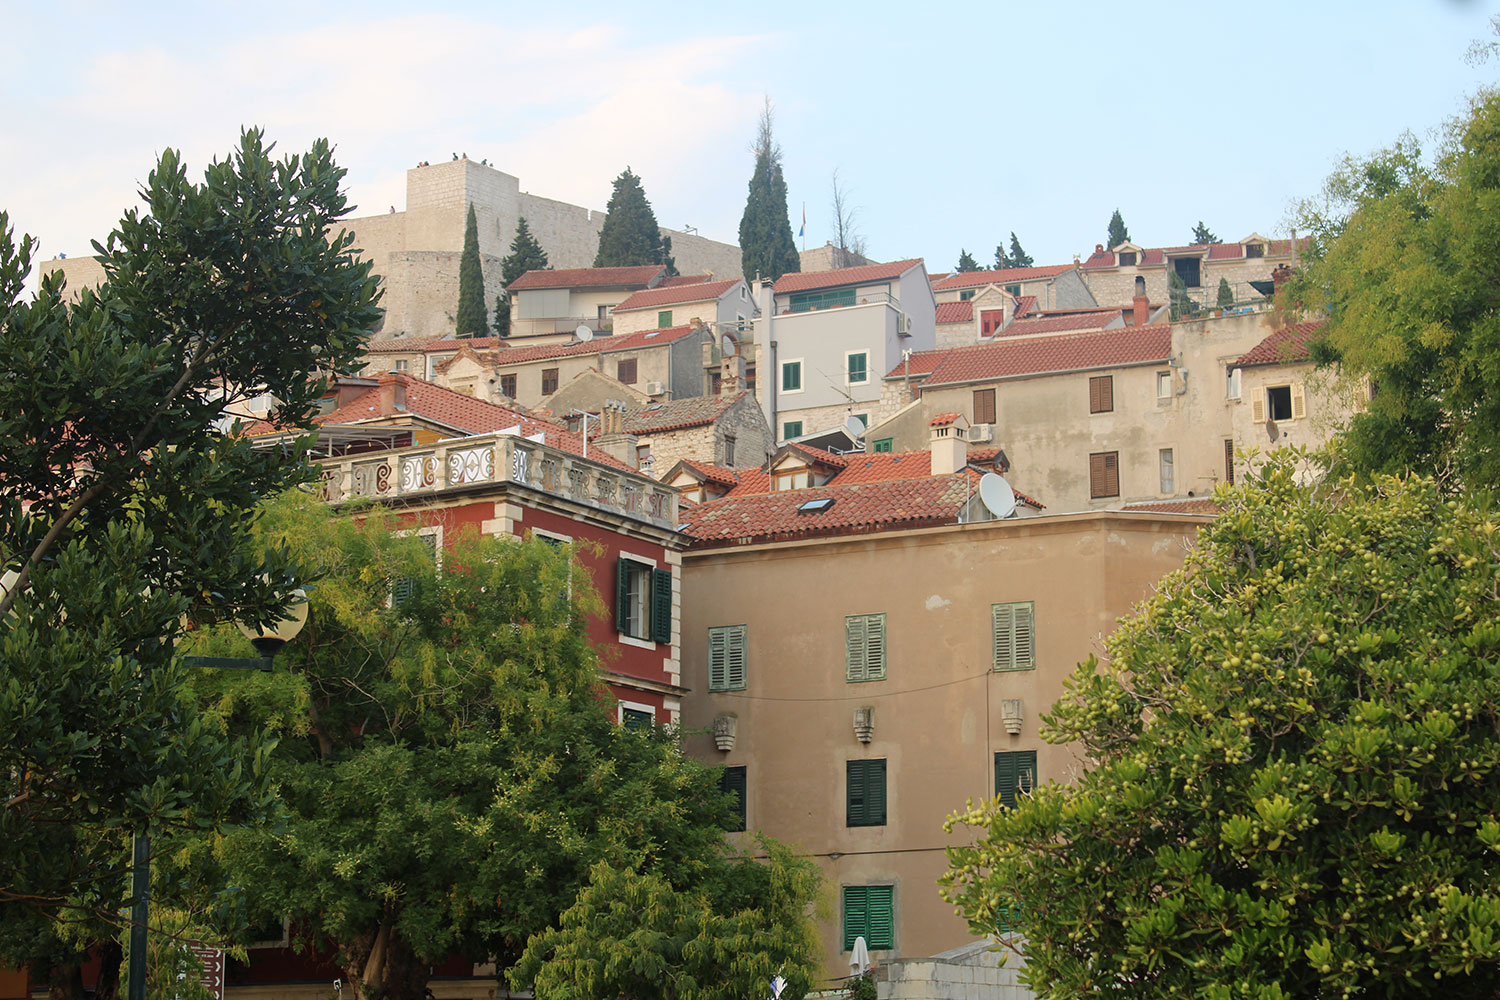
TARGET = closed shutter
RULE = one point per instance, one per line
(854, 793)
(661, 605)
(1299, 403)
(1104, 474)
(726, 658)
(880, 928)
(1229, 461)
(1014, 636)
(732, 781)
(1015, 773)
(875, 792)
(856, 915)
(864, 800)
(404, 586)
(1258, 407)
(864, 647)
(622, 596)
(984, 406)
(1102, 394)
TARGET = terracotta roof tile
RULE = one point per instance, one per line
(1009, 275)
(1131, 345)
(818, 455)
(396, 345)
(588, 277)
(675, 414)
(1225, 251)
(801, 282)
(1024, 305)
(651, 298)
(1175, 507)
(921, 363)
(599, 345)
(955, 312)
(1289, 344)
(685, 279)
(1063, 323)
(454, 343)
(943, 420)
(722, 475)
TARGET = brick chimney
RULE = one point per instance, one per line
(392, 394)
(950, 446)
(612, 439)
(1142, 312)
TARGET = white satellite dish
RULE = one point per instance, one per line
(855, 426)
(584, 332)
(995, 493)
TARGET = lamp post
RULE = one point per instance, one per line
(267, 642)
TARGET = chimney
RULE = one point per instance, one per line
(1142, 312)
(950, 447)
(612, 439)
(392, 394)
(346, 391)
(731, 375)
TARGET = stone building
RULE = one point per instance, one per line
(1110, 273)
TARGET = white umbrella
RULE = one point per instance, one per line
(859, 959)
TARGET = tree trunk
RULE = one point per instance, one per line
(382, 966)
(65, 983)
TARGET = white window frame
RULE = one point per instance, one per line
(635, 706)
(1166, 471)
(801, 377)
(630, 640)
(1232, 384)
(847, 356)
(1164, 380)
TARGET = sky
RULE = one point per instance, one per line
(949, 126)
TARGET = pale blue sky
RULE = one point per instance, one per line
(950, 124)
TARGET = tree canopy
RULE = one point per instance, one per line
(1403, 259)
(1202, 234)
(1018, 257)
(630, 236)
(966, 262)
(470, 320)
(1117, 232)
(1293, 748)
(767, 248)
(123, 509)
(526, 254)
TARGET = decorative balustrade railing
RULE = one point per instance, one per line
(464, 462)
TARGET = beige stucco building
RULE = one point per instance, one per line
(726, 304)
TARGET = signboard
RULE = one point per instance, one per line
(211, 960)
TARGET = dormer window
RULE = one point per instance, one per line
(792, 479)
(1128, 258)
(1255, 249)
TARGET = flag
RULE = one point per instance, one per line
(803, 231)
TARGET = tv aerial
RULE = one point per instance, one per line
(997, 496)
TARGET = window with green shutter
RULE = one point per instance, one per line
(643, 601)
(829, 299)
(403, 587)
(1015, 774)
(791, 376)
(864, 798)
(664, 318)
(858, 367)
(882, 444)
(864, 647)
(1013, 632)
(726, 658)
(870, 913)
(732, 782)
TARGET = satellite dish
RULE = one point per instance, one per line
(995, 493)
(584, 332)
(855, 426)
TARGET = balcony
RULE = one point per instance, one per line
(430, 471)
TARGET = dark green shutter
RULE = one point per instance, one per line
(661, 605)
(622, 596)
(869, 912)
(732, 781)
(854, 797)
(865, 795)
(856, 914)
(875, 792)
(1015, 772)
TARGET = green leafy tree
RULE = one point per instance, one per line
(966, 262)
(632, 934)
(470, 319)
(1181, 305)
(122, 509)
(767, 248)
(1226, 294)
(526, 254)
(1117, 232)
(1402, 261)
(1002, 259)
(1202, 234)
(449, 770)
(1017, 256)
(630, 236)
(1294, 745)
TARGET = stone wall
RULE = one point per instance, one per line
(743, 421)
(970, 972)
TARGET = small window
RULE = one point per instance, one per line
(732, 782)
(1127, 258)
(625, 371)
(869, 913)
(1013, 635)
(643, 601)
(729, 450)
(791, 376)
(793, 479)
(815, 506)
(1164, 468)
(1102, 394)
(984, 406)
(642, 455)
(726, 658)
(1279, 402)
(403, 587)
(1014, 290)
(1255, 249)
(864, 803)
(508, 386)
(664, 318)
(1229, 461)
(858, 367)
(1164, 385)
(1104, 474)
(883, 444)
(603, 315)
(1232, 384)
(791, 429)
(549, 381)
(990, 321)
(401, 365)
(864, 647)
(1015, 775)
(637, 718)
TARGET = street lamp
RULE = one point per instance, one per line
(267, 642)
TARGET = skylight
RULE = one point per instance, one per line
(816, 506)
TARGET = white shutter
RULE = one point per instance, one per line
(1299, 402)
(1258, 407)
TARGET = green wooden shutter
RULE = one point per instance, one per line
(875, 792)
(875, 647)
(622, 595)
(865, 797)
(1025, 635)
(856, 914)
(854, 795)
(732, 781)
(718, 659)
(661, 605)
(855, 655)
(880, 920)
(1015, 772)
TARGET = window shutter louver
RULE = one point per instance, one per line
(875, 647)
(1003, 616)
(622, 594)
(718, 659)
(880, 922)
(1015, 773)
(875, 793)
(854, 648)
(1299, 403)
(856, 915)
(1258, 407)
(854, 793)
(1024, 637)
(661, 605)
(735, 658)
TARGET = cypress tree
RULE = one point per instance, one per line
(526, 254)
(1202, 234)
(1002, 259)
(966, 262)
(630, 236)
(1226, 294)
(470, 320)
(766, 245)
(1017, 256)
(1117, 232)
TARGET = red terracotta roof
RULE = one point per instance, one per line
(588, 277)
(1289, 344)
(921, 362)
(685, 279)
(864, 274)
(454, 343)
(819, 455)
(1131, 345)
(722, 475)
(1062, 323)
(651, 298)
(1216, 251)
(675, 414)
(1225, 251)
(1174, 507)
(955, 312)
(943, 420)
(885, 467)
(599, 345)
(1009, 275)
(396, 345)
(1024, 305)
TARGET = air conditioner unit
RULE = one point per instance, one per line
(655, 388)
(903, 324)
(981, 433)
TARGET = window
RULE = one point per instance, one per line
(1013, 635)
(1014, 290)
(642, 455)
(1164, 468)
(791, 479)
(984, 406)
(604, 317)
(883, 444)
(625, 371)
(732, 782)
(664, 318)
(729, 450)
(1164, 385)
(1232, 384)
(1280, 402)
(508, 386)
(830, 299)
(1015, 774)
(1102, 394)
(637, 718)
(864, 800)
(857, 365)
(791, 376)
(726, 658)
(549, 381)
(990, 321)
(864, 647)
(1229, 461)
(1255, 249)
(1127, 258)
(869, 912)
(643, 601)
(401, 365)
(966, 295)
(1104, 474)
(791, 429)
(403, 587)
